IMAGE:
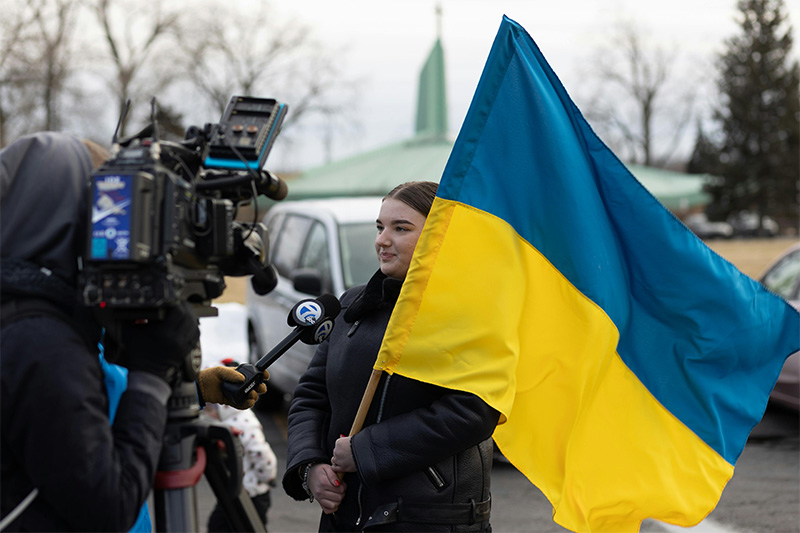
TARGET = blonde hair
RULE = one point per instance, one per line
(97, 153)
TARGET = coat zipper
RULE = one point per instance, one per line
(380, 415)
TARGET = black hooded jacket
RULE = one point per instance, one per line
(55, 435)
(424, 454)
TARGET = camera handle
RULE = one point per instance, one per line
(192, 447)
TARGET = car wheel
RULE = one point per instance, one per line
(273, 398)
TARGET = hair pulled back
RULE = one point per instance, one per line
(418, 195)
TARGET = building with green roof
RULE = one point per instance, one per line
(425, 154)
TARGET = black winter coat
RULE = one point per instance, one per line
(55, 435)
(424, 454)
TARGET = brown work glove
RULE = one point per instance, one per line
(209, 384)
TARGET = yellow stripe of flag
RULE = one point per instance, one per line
(577, 416)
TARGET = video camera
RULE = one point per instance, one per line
(161, 225)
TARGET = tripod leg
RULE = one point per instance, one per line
(175, 497)
(191, 448)
(176, 510)
(225, 480)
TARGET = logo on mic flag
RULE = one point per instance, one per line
(323, 331)
(308, 313)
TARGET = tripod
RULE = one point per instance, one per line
(193, 447)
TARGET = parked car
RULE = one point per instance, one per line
(745, 224)
(705, 229)
(317, 246)
(783, 278)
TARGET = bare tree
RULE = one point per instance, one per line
(230, 52)
(14, 51)
(136, 34)
(35, 63)
(639, 105)
(54, 31)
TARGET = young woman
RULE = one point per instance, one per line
(423, 458)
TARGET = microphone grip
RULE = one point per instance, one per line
(279, 350)
(237, 393)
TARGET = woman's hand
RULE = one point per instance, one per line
(343, 460)
(328, 491)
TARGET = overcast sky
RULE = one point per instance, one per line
(385, 43)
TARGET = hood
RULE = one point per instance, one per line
(43, 201)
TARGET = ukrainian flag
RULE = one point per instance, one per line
(628, 360)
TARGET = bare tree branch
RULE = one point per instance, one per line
(35, 64)
(258, 54)
(638, 103)
(130, 54)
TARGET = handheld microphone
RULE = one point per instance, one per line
(313, 321)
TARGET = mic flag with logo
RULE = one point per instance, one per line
(629, 362)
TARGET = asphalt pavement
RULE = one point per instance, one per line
(517, 505)
(764, 494)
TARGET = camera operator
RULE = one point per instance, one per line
(57, 446)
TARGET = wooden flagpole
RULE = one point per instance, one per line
(363, 407)
(366, 400)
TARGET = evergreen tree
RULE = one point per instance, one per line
(756, 153)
